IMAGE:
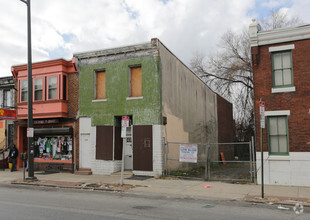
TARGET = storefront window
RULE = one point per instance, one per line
(52, 87)
(53, 148)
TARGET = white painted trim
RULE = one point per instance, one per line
(286, 89)
(282, 48)
(134, 98)
(100, 100)
(282, 35)
(280, 158)
(276, 113)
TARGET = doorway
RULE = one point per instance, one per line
(85, 150)
(118, 144)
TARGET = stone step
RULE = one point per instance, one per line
(83, 171)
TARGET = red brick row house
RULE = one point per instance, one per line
(281, 72)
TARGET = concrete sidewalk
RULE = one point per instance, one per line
(169, 187)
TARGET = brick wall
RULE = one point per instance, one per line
(225, 127)
(297, 102)
(73, 107)
(73, 93)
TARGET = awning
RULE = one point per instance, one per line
(53, 131)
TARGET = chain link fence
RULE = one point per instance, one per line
(211, 161)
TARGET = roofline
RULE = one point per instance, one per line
(188, 67)
(280, 35)
(153, 44)
(6, 77)
(16, 68)
(110, 51)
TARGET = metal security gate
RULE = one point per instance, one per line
(214, 161)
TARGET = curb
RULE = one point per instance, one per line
(109, 188)
(68, 187)
(279, 202)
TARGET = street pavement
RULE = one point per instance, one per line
(168, 187)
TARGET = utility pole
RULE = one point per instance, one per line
(30, 130)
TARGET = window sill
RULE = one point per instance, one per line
(287, 89)
(134, 98)
(100, 100)
(279, 157)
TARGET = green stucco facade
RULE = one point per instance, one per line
(145, 111)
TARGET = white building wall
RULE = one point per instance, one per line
(97, 166)
(108, 167)
(292, 170)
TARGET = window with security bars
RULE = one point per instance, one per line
(278, 135)
(282, 69)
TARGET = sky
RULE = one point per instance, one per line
(63, 27)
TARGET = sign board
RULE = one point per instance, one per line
(126, 132)
(188, 153)
(125, 121)
(7, 114)
(262, 114)
(30, 132)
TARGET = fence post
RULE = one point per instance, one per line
(208, 161)
(254, 161)
(166, 158)
(251, 168)
(206, 164)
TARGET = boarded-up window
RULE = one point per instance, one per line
(104, 142)
(135, 81)
(100, 85)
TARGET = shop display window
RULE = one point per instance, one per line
(53, 148)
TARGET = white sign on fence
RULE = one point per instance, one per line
(188, 153)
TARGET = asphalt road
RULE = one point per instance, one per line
(24, 202)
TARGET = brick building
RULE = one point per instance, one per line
(55, 108)
(7, 94)
(281, 72)
(163, 99)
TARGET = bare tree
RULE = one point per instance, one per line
(279, 19)
(229, 71)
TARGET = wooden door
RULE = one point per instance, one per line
(142, 147)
